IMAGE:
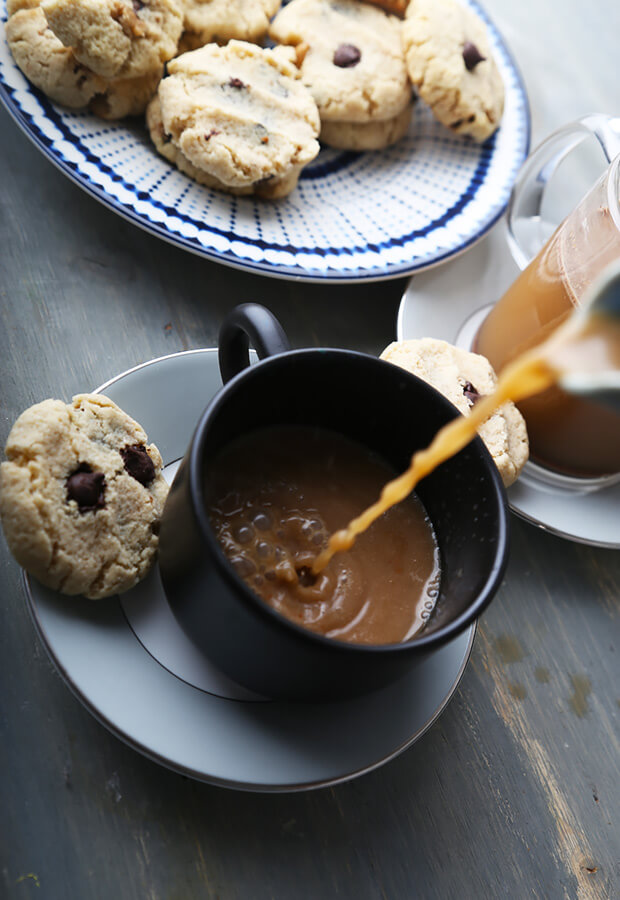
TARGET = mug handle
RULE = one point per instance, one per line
(527, 194)
(248, 322)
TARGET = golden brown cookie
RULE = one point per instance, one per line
(220, 21)
(463, 377)
(366, 135)
(239, 115)
(451, 66)
(352, 60)
(117, 38)
(46, 62)
(81, 495)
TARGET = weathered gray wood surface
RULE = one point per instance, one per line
(514, 792)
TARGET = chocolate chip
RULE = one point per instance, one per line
(211, 134)
(237, 83)
(86, 488)
(471, 392)
(347, 55)
(471, 56)
(138, 463)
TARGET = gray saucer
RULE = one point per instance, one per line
(130, 664)
(450, 303)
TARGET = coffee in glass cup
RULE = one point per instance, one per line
(571, 435)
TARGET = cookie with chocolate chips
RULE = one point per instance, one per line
(81, 496)
(451, 65)
(464, 377)
(266, 188)
(117, 39)
(56, 70)
(50, 66)
(236, 118)
(351, 55)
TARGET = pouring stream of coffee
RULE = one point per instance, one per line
(582, 355)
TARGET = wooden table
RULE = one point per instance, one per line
(515, 790)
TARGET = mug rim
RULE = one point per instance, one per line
(418, 642)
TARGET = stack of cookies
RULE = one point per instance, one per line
(243, 118)
(236, 118)
(109, 54)
(352, 62)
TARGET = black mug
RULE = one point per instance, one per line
(383, 408)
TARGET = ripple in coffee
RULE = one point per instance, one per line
(274, 497)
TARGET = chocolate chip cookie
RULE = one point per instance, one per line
(239, 115)
(45, 61)
(352, 58)
(220, 21)
(451, 65)
(117, 39)
(269, 188)
(463, 377)
(81, 495)
(55, 69)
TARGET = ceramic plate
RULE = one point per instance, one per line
(451, 304)
(131, 665)
(353, 217)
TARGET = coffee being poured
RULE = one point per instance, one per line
(586, 344)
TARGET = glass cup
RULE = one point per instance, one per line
(575, 440)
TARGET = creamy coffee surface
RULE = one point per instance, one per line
(276, 495)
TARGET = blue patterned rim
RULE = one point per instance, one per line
(353, 217)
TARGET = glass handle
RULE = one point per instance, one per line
(525, 225)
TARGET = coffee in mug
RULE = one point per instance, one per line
(276, 494)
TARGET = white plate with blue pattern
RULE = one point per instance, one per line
(353, 217)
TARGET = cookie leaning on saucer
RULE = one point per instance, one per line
(463, 377)
(81, 496)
